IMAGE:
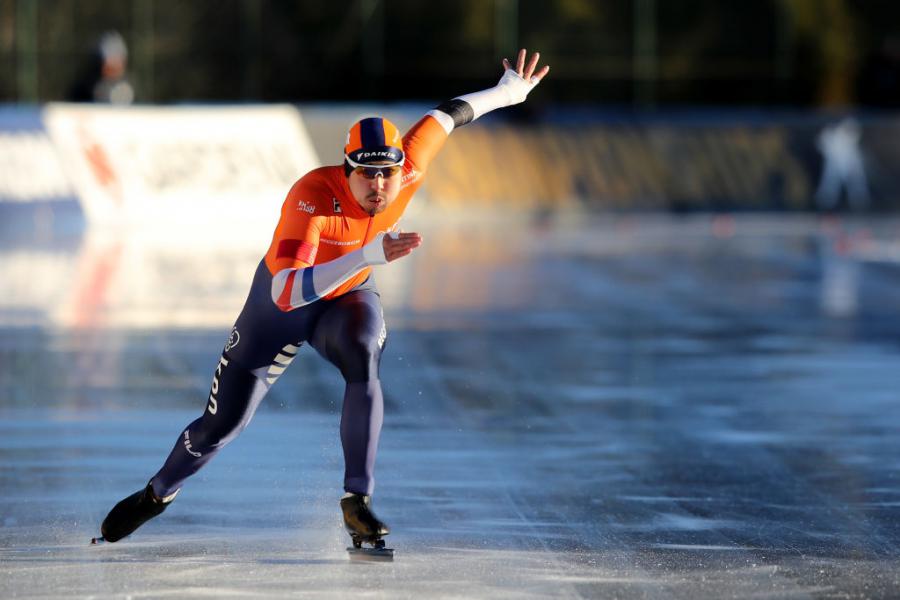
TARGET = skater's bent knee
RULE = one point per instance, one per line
(359, 359)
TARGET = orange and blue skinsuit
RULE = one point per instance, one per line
(320, 222)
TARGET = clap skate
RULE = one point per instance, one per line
(364, 527)
(131, 513)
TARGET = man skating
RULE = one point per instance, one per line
(313, 286)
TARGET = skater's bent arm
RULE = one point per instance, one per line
(295, 287)
(424, 140)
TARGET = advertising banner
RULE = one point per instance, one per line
(181, 165)
(232, 166)
(30, 170)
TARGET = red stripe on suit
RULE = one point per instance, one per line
(297, 250)
(284, 299)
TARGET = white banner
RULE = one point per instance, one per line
(30, 169)
(192, 165)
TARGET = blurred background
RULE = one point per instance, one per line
(628, 53)
(648, 348)
(779, 104)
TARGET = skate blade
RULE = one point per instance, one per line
(371, 554)
(97, 541)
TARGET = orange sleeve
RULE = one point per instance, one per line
(296, 240)
(423, 141)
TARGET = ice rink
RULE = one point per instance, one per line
(605, 407)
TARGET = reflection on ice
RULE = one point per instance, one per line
(187, 277)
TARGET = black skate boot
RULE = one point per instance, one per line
(364, 526)
(131, 513)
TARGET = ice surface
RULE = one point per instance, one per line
(625, 407)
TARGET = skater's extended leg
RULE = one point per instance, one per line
(351, 335)
(235, 394)
(262, 344)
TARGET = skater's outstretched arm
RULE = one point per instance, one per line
(296, 287)
(426, 137)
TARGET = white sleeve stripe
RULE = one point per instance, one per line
(443, 118)
(278, 283)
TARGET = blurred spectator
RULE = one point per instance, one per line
(103, 77)
(843, 166)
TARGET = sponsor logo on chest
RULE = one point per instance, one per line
(339, 242)
(305, 207)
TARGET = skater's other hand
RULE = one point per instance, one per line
(400, 246)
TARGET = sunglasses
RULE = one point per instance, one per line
(373, 171)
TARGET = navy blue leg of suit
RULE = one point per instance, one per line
(351, 336)
(348, 331)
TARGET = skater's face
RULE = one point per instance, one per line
(375, 188)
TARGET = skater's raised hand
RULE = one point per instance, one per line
(526, 72)
(400, 246)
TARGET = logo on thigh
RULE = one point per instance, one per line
(214, 390)
(233, 339)
(382, 336)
